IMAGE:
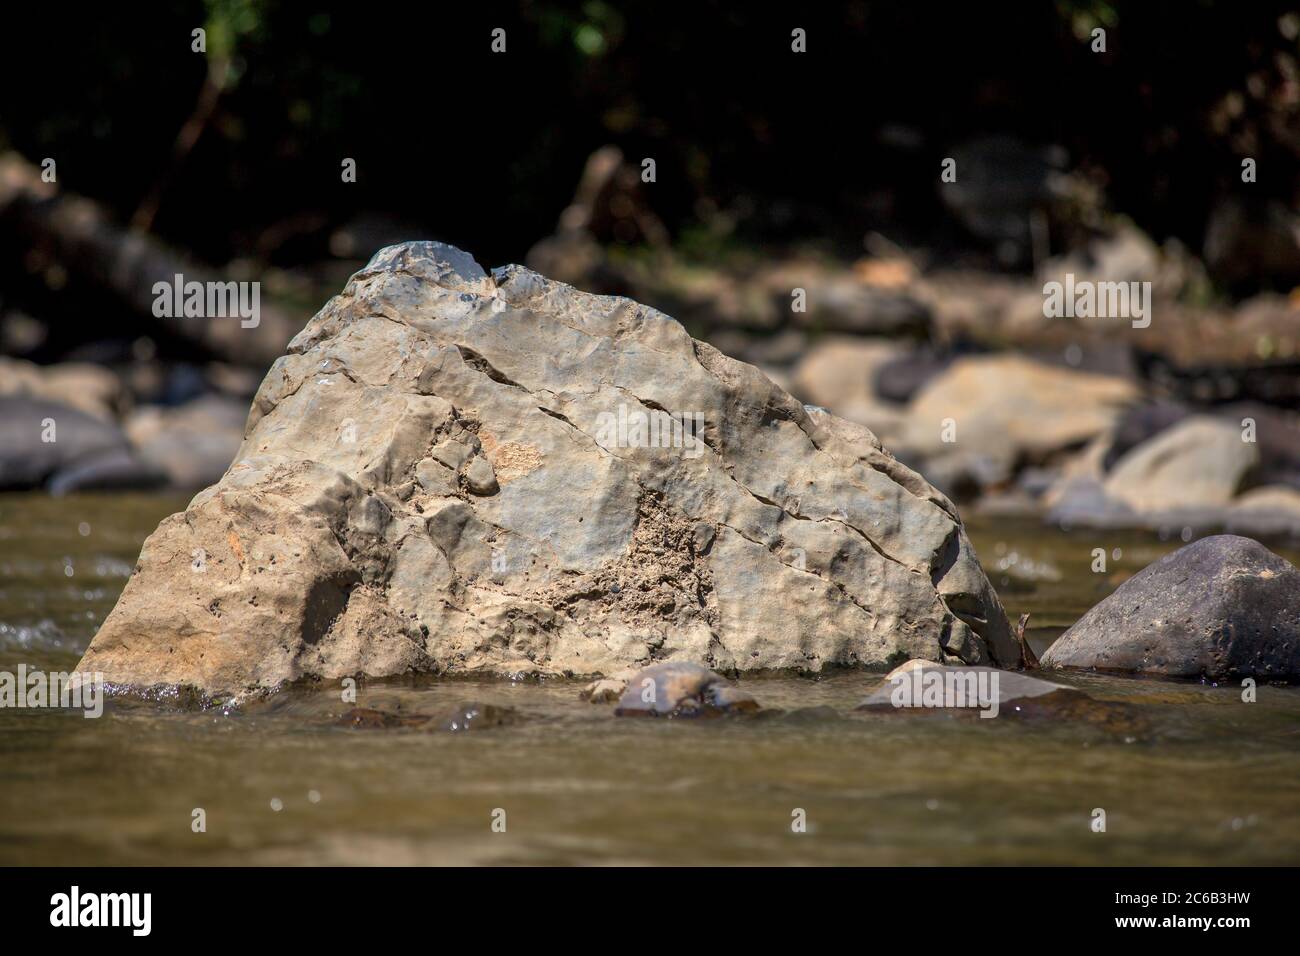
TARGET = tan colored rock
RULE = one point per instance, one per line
(1198, 463)
(1280, 499)
(837, 374)
(1005, 411)
(192, 444)
(88, 388)
(757, 535)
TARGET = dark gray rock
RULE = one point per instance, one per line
(1222, 607)
(86, 452)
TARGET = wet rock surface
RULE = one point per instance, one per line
(452, 471)
(976, 683)
(681, 689)
(1224, 607)
(924, 687)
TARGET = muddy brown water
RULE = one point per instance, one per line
(1209, 779)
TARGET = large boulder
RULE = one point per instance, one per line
(454, 471)
(1224, 607)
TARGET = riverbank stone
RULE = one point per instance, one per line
(1222, 608)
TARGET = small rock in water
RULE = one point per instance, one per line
(926, 685)
(1222, 607)
(680, 689)
(921, 686)
(604, 691)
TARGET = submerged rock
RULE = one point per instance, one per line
(454, 718)
(472, 716)
(456, 471)
(1222, 607)
(681, 689)
(920, 685)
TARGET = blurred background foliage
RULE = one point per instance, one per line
(753, 145)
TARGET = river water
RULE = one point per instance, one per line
(1202, 779)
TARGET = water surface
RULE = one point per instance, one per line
(1207, 778)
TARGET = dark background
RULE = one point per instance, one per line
(484, 150)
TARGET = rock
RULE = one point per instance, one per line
(1140, 423)
(114, 470)
(326, 555)
(1271, 511)
(1277, 436)
(1198, 463)
(974, 689)
(780, 350)
(681, 689)
(899, 377)
(1006, 411)
(1166, 468)
(969, 692)
(82, 452)
(88, 388)
(604, 691)
(480, 478)
(1223, 607)
(193, 444)
(838, 374)
(840, 300)
(369, 718)
(1126, 254)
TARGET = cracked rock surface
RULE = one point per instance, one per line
(446, 473)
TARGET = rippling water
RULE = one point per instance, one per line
(1206, 779)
